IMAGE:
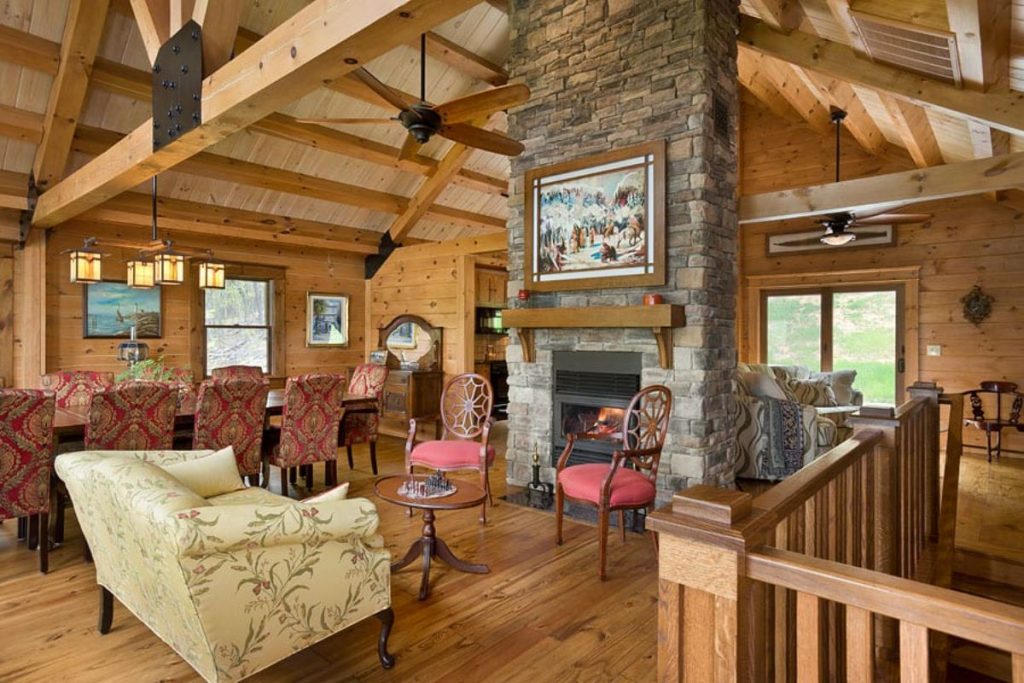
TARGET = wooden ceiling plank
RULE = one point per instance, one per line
(914, 128)
(889, 191)
(153, 17)
(1003, 110)
(858, 121)
(83, 29)
(323, 41)
(461, 59)
(782, 15)
(429, 191)
(219, 19)
(29, 50)
(982, 29)
(18, 124)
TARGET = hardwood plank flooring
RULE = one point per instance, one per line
(989, 519)
(540, 615)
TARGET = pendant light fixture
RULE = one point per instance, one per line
(169, 265)
(211, 275)
(86, 262)
(141, 273)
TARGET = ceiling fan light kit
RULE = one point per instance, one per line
(837, 238)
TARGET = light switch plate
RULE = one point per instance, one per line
(934, 350)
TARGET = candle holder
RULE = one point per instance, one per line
(544, 490)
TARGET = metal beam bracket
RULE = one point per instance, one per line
(178, 85)
(374, 262)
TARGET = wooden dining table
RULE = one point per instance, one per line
(69, 423)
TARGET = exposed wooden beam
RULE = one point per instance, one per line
(484, 244)
(178, 215)
(858, 121)
(840, 10)
(499, 4)
(751, 78)
(29, 50)
(982, 29)
(461, 59)
(914, 128)
(219, 19)
(782, 15)
(19, 124)
(429, 191)
(480, 181)
(153, 17)
(13, 190)
(82, 32)
(181, 12)
(884, 192)
(10, 231)
(30, 310)
(1003, 110)
(803, 100)
(97, 142)
(322, 42)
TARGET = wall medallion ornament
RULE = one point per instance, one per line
(977, 305)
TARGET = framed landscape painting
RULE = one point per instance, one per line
(110, 309)
(326, 319)
(597, 222)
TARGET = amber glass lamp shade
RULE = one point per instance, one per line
(169, 268)
(141, 274)
(86, 266)
(211, 275)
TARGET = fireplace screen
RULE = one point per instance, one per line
(596, 422)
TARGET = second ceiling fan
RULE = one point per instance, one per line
(450, 120)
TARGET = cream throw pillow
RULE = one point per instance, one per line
(339, 492)
(762, 386)
(842, 384)
(213, 475)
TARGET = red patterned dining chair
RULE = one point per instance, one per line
(359, 423)
(133, 416)
(308, 432)
(466, 404)
(628, 482)
(74, 388)
(251, 372)
(26, 446)
(231, 413)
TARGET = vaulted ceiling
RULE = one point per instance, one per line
(340, 186)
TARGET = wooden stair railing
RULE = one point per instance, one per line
(870, 506)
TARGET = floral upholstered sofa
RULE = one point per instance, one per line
(786, 416)
(233, 580)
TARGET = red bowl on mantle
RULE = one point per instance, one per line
(653, 299)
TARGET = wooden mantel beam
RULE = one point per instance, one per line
(1003, 110)
(884, 192)
(322, 42)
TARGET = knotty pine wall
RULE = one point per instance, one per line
(305, 270)
(969, 241)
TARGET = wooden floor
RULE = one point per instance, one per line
(540, 615)
(990, 518)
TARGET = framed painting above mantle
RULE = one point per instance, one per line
(597, 222)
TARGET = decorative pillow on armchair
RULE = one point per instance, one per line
(842, 384)
(813, 392)
(761, 386)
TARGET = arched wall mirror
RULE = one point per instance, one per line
(412, 343)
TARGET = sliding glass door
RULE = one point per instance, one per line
(853, 328)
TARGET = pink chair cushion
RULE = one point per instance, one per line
(450, 454)
(629, 487)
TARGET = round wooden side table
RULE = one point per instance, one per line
(429, 544)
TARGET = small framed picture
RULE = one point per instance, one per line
(326, 319)
(403, 336)
(111, 309)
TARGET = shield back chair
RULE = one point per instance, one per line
(26, 447)
(628, 482)
(993, 423)
(133, 416)
(466, 404)
(359, 423)
(231, 413)
(251, 372)
(74, 388)
(308, 432)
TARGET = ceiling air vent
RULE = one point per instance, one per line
(926, 51)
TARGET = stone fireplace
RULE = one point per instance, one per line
(608, 74)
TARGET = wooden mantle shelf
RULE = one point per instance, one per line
(660, 319)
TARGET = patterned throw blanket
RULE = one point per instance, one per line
(785, 443)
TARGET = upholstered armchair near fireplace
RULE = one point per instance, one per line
(629, 481)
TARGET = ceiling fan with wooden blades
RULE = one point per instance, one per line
(838, 225)
(451, 120)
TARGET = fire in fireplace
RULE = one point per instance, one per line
(591, 392)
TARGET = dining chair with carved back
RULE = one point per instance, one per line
(132, 416)
(1009, 404)
(359, 424)
(26, 447)
(74, 388)
(232, 413)
(308, 432)
(466, 404)
(628, 482)
(250, 372)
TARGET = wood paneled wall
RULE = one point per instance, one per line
(6, 315)
(969, 241)
(305, 270)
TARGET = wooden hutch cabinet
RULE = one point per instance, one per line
(413, 394)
